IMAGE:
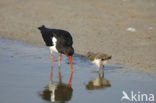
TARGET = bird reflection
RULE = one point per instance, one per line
(58, 91)
(98, 83)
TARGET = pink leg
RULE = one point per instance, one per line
(51, 73)
(60, 57)
(60, 78)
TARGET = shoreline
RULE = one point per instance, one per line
(113, 62)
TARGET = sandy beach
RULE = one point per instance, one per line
(124, 29)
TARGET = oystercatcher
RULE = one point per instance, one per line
(57, 91)
(59, 41)
(98, 58)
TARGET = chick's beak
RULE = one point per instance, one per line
(71, 64)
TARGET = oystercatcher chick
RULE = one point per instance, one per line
(98, 58)
(59, 41)
(98, 83)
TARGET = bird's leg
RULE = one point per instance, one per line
(70, 80)
(51, 73)
(103, 67)
(99, 74)
(60, 57)
(60, 78)
(103, 73)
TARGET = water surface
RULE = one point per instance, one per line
(25, 77)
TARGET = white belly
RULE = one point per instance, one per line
(97, 62)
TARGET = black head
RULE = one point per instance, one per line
(69, 51)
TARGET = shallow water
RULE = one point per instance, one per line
(25, 78)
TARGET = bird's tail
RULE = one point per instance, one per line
(41, 27)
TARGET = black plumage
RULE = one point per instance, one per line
(64, 39)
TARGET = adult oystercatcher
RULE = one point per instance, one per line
(59, 41)
(58, 91)
(98, 58)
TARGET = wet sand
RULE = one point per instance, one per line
(96, 25)
(25, 75)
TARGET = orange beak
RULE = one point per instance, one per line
(71, 64)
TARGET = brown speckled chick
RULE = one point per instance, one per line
(98, 58)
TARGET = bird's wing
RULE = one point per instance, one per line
(47, 36)
(63, 38)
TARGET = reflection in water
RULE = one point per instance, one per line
(98, 83)
(58, 91)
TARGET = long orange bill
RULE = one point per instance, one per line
(71, 64)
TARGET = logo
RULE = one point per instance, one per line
(137, 96)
